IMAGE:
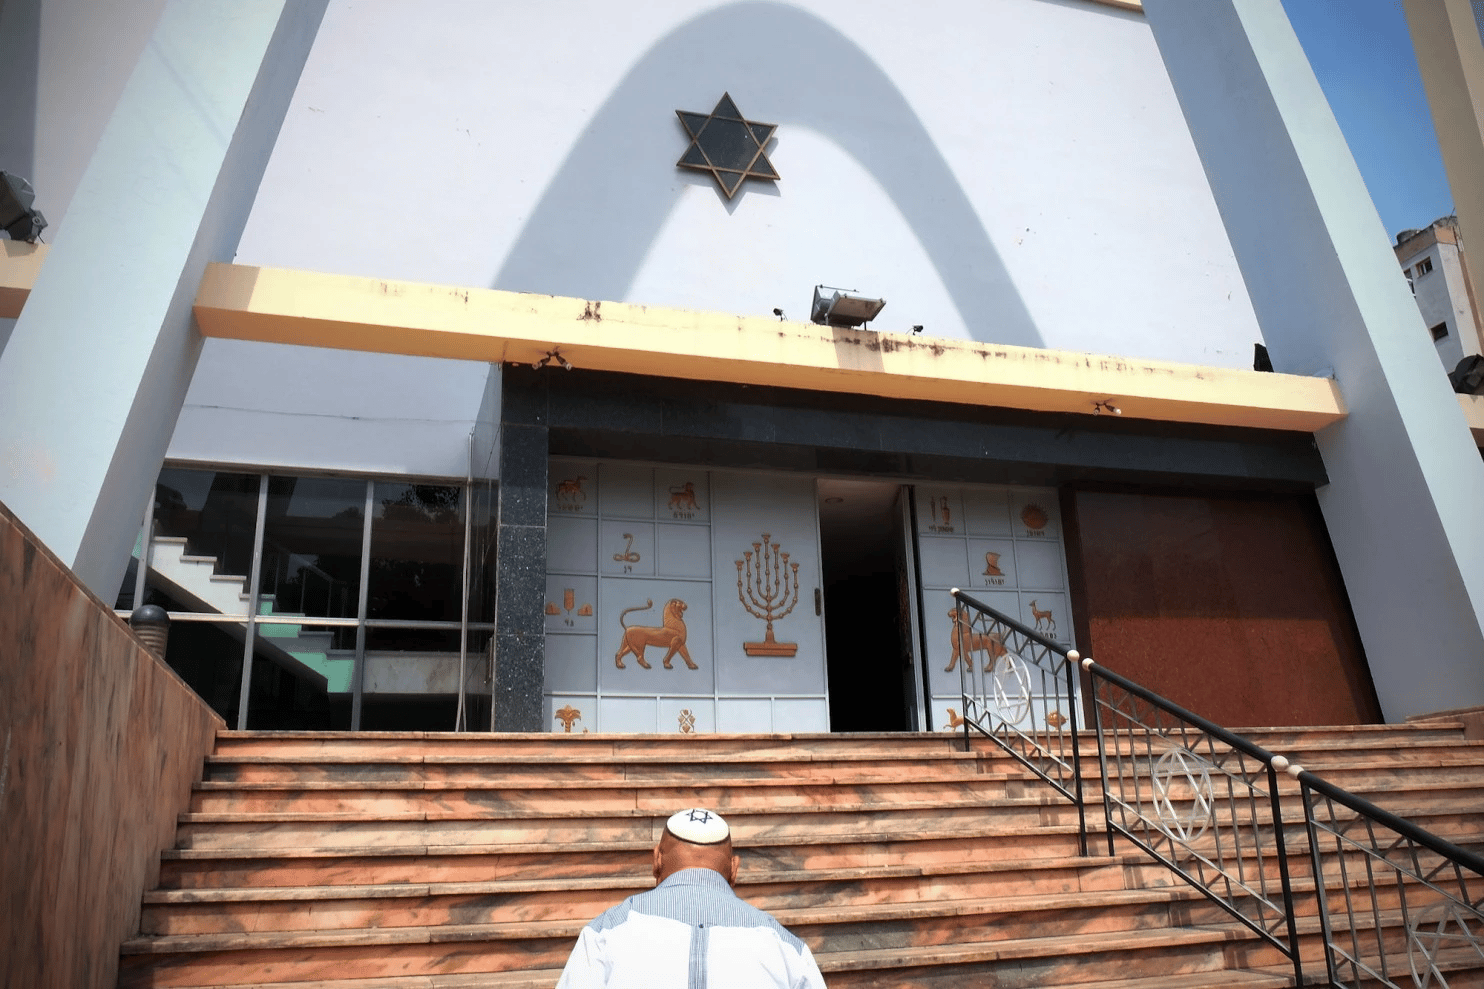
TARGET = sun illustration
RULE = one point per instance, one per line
(1034, 516)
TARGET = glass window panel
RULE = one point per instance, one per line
(301, 677)
(417, 552)
(204, 525)
(312, 547)
(411, 679)
(482, 555)
(208, 657)
(124, 601)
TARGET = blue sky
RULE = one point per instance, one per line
(1362, 55)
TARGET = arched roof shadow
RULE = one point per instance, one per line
(590, 232)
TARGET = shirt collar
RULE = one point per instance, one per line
(697, 877)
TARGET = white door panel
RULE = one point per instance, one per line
(642, 564)
(1003, 546)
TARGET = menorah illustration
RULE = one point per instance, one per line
(770, 593)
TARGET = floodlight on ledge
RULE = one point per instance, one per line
(838, 307)
(16, 215)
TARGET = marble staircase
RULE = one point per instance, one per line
(326, 861)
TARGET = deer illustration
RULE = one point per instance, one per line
(1044, 620)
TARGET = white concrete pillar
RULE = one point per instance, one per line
(1448, 36)
(96, 368)
(1403, 505)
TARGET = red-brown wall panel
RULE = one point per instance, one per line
(1229, 605)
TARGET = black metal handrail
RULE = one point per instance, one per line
(1207, 804)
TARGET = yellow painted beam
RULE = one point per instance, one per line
(349, 313)
(1473, 411)
(20, 262)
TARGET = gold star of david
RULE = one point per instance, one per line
(727, 145)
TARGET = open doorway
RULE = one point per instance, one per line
(867, 606)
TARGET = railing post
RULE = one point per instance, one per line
(1282, 848)
(960, 618)
(1073, 659)
(1326, 931)
(1097, 724)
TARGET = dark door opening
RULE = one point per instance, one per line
(867, 634)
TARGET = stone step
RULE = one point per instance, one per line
(401, 744)
(251, 959)
(445, 818)
(1297, 737)
(450, 860)
(1442, 781)
(546, 978)
(219, 910)
(485, 814)
(861, 908)
(1361, 772)
(845, 836)
(463, 799)
(1304, 743)
(1444, 811)
(518, 770)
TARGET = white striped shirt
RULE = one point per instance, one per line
(689, 932)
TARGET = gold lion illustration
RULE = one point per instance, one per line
(683, 498)
(992, 643)
(570, 489)
(670, 636)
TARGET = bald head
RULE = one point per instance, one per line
(672, 854)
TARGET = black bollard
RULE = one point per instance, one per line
(152, 625)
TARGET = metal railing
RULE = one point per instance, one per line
(1027, 685)
(1396, 902)
(1389, 903)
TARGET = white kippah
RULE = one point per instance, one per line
(698, 826)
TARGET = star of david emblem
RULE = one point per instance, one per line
(727, 145)
(1011, 684)
(1183, 797)
(705, 816)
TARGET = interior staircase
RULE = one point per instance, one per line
(422, 859)
(306, 653)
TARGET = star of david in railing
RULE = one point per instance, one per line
(727, 145)
(1183, 798)
(1441, 927)
(1011, 686)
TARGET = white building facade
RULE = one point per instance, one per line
(378, 537)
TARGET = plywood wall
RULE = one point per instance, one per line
(99, 745)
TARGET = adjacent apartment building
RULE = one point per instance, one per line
(1434, 263)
